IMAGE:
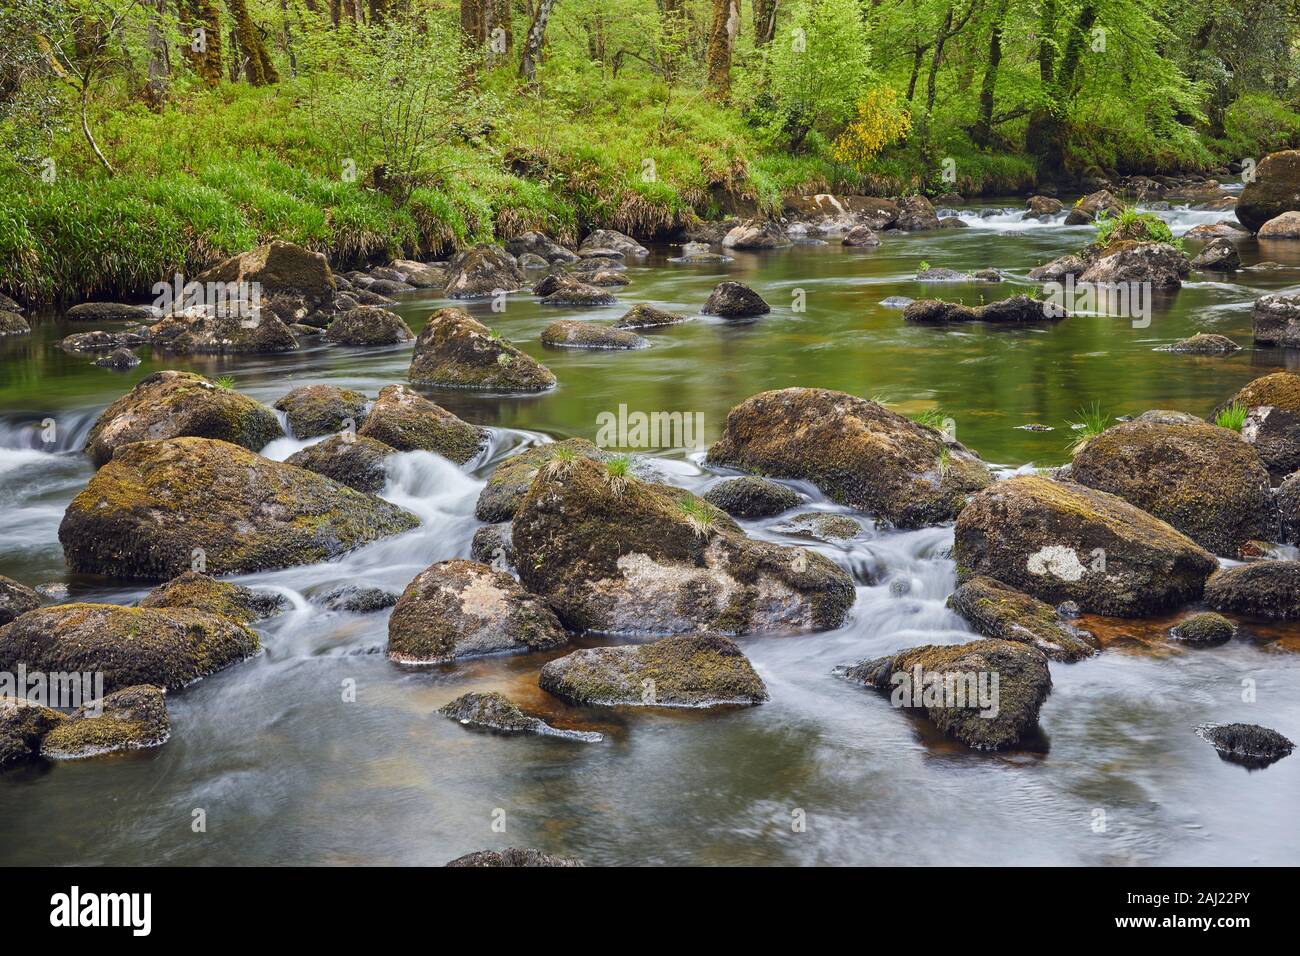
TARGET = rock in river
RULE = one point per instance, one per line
(369, 325)
(511, 857)
(751, 497)
(203, 593)
(455, 350)
(577, 334)
(157, 504)
(16, 599)
(995, 610)
(315, 410)
(174, 404)
(1250, 745)
(1273, 423)
(495, 711)
(734, 300)
(509, 483)
(404, 419)
(756, 234)
(482, 272)
(644, 316)
(611, 553)
(354, 460)
(23, 724)
(1204, 629)
(457, 608)
(1159, 263)
(856, 451)
(1016, 310)
(132, 718)
(167, 647)
(1275, 320)
(279, 268)
(1061, 541)
(1274, 190)
(986, 694)
(688, 671)
(1219, 255)
(1263, 589)
(196, 332)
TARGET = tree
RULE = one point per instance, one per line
(258, 68)
(532, 54)
(201, 23)
(722, 40)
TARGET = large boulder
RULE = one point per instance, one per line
(916, 213)
(369, 325)
(422, 275)
(456, 350)
(203, 593)
(158, 505)
(456, 609)
(1202, 479)
(404, 419)
(1042, 208)
(577, 334)
(508, 485)
(1285, 226)
(706, 670)
(278, 268)
(314, 410)
(538, 244)
(1276, 320)
(132, 718)
(111, 312)
(202, 332)
(175, 404)
(16, 599)
(1272, 425)
(168, 647)
(986, 694)
(11, 323)
(353, 460)
(1061, 541)
(1274, 190)
(23, 725)
(1159, 263)
(1219, 255)
(495, 711)
(856, 451)
(995, 610)
(756, 234)
(482, 272)
(615, 554)
(1264, 589)
(735, 300)
(1102, 203)
(614, 240)
(1016, 310)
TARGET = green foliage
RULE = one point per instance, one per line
(1133, 225)
(1234, 416)
(1092, 422)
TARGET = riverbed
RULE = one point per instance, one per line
(288, 771)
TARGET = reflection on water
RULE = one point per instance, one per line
(289, 772)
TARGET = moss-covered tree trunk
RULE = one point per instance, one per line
(984, 125)
(764, 21)
(532, 53)
(722, 39)
(258, 68)
(473, 22)
(201, 21)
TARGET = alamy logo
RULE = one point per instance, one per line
(1125, 300)
(62, 690)
(74, 909)
(649, 430)
(977, 690)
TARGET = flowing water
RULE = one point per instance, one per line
(287, 771)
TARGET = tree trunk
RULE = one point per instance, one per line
(258, 68)
(502, 19)
(764, 21)
(984, 125)
(473, 22)
(202, 22)
(939, 40)
(533, 42)
(159, 60)
(722, 39)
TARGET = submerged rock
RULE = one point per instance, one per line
(1204, 629)
(955, 686)
(23, 724)
(16, 599)
(495, 711)
(1201, 479)
(1274, 190)
(176, 404)
(1061, 541)
(157, 504)
(132, 718)
(1203, 343)
(1263, 589)
(11, 323)
(457, 608)
(455, 350)
(407, 421)
(1250, 745)
(734, 300)
(167, 647)
(120, 359)
(856, 451)
(688, 671)
(576, 334)
(1283, 226)
(995, 610)
(352, 460)
(648, 317)
(511, 857)
(369, 325)
(315, 410)
(615, 554)
(752, 497)
(1016, 310)
(356, 599)
(203, 593)
(101, 341)
(482, 272)
(823, 526)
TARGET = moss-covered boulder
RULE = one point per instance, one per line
(565, 290)
(507, 486)
(456, 609)
(856, 451)
(175, 404)
(1202, 479)
(613, 239)
(111, 312)
(1274, 190)
(511, 857)
(168, 647)
(576, 334)
(615, 554)
(735, 300)
(1277, 389)
(1204, 629)
(1264, 589)
(1101, 204)
(199, 332)
(148, 512)
(1159, 263)
(1288, 506)
(404, 419)
(492, 544)
(541, 245)
(1219, 255)
(986, 694)
(11, 323)
(278, 268)
(995, 610)
(132, 718)
(821, 526)
(1060, 541)
(369, 325)
(353, 460)
(203, 593)
(1249, 745)
(1204, 343)
(494, 711)
(23, 725)
(1272, 424)
(1016, 310)
(483, 271)
(704, 670)
(315, 410)
(456, 350)
(356, 599)
(751, 497)
(644, 316)
(16, 599)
